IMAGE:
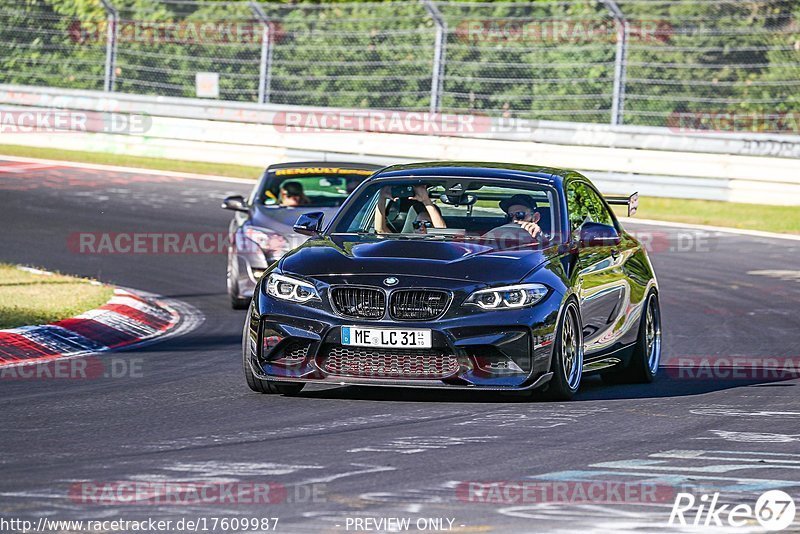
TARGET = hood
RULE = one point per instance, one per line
(353, 255)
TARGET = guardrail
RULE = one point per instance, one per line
(654, 161)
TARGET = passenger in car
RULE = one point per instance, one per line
(425, 214)
(423, 221)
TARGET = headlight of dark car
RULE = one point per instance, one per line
(292, 289)
(507, 297)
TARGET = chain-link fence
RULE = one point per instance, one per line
(643, 62)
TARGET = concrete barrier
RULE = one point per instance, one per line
(654, 161)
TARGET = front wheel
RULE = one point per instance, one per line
(237, 302)
(567, 359)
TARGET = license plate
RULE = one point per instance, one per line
(386, 337)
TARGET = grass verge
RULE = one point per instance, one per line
(29, 298)
(783, 219)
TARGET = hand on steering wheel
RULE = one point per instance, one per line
(531, 227)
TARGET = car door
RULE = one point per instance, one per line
(598, 277)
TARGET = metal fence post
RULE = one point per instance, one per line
(620, 62)
(437, 77)
(110, 74)
(265, 65)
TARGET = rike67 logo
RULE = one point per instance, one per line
(774, 510)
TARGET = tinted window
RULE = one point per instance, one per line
(584, 204)
(315, 187)
(468, 207)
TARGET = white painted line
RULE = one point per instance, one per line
(215, 469)
(34, 271)
(737, 231)
(651, 467)
(742, 412)
(130, 170)
(369, 469)
(751, 437)
(21, 167)
(756, 457)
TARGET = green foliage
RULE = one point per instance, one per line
(540, 59)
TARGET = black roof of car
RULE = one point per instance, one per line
(456, 169)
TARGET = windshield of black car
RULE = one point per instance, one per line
(310, 187)
(468, 207)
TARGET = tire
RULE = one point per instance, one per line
(646, 356)
(265, 386)
(237, 302)
(567, 359)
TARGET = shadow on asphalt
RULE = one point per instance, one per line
(220, 294)
(592, 389)
(392, 394)
(665, 386)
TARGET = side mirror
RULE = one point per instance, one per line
(309, 223)
(598, 235)
(235, 203)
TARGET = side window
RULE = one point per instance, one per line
(578, 211)
(584, 204)
(597, 210)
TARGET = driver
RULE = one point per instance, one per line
(521, 213)
(430, 216)
(292, 195)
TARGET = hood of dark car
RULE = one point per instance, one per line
(349, 256)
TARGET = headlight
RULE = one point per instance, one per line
(268, 242)
(507, 297)
(288, 288)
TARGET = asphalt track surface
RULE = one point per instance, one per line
(187, 415)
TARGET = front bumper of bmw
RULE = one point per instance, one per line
(471, 348)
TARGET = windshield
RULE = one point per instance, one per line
(452, 208)
(309, 187)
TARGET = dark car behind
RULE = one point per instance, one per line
(261, 229)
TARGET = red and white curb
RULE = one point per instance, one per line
(129, 318)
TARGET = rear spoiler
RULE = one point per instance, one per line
(632, 202)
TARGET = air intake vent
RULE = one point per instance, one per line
(390, 363)
(418, 304)
(359, 302)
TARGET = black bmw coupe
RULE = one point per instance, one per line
(485, 276)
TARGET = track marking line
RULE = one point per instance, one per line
(723, 229)
(128, 170)
(21, 167)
